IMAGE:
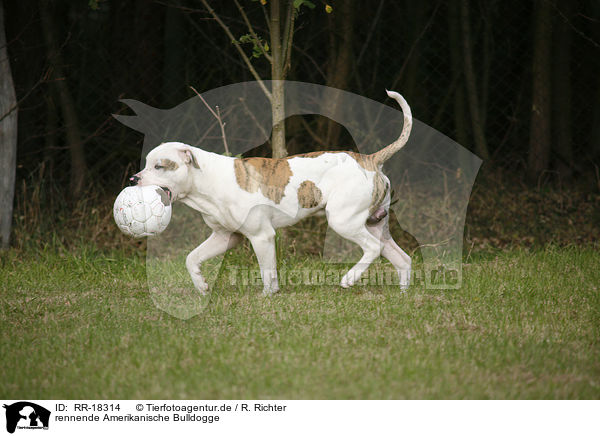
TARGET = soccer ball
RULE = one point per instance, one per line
(142, 210)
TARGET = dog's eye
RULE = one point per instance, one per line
(158, 167)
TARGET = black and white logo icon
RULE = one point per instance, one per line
(26, 415)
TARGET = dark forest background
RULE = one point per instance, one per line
(516, 82)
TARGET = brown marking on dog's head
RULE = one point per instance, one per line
(309, 195)
(167, 164)
(271, 176)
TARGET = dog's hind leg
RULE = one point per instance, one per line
(371, 251)
(392, 252)
(354, 229)
(401, 261)
(217, 243)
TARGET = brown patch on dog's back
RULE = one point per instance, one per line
(366, 161)
(271, 176)
(309, 195)
(313, 154)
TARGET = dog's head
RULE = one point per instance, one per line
(169, 166)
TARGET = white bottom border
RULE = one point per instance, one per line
(299, 417)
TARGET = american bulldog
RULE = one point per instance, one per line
(254, 196)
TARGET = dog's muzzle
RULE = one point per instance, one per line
(134, 180)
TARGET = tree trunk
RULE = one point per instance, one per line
(460, 114)
(539, 139)
(339, 66)
(148, 55)
(67, 105)
(412, 77)
(50, 136)
(8, 138)
(173, 85)
(595, 137)
(278, 95)
(562, 94)
(471, 86)
(486, 62)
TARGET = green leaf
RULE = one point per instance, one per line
(257, 52)
(244, 39)
(307, 3)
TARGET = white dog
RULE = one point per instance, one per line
(255, 196)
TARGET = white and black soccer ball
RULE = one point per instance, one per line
(142, 210)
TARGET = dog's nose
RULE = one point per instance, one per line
(133, 180)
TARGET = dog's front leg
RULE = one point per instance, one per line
(217, 243)
(264, 247)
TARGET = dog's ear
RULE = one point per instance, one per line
(187, 156)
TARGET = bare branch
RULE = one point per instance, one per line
(257, 40)
(235, 42)
(371, 32)
(288, 36)
(222, 124)
(217, 115)
(414, 45)
(204, 101)
(253, 117)
(267, 19)
(42, 79)
(313, 134)
(234, 60)
(312, 60)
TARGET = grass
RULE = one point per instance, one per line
(81, 324)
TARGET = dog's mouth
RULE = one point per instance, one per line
(168, 192)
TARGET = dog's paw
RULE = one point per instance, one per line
(201, 285)
(270, 291)
(347, 280)
(404, 277)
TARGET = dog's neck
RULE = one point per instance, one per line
(206, 180)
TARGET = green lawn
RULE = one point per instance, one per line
(525, 324)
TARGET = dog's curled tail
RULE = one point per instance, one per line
(385, 153)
